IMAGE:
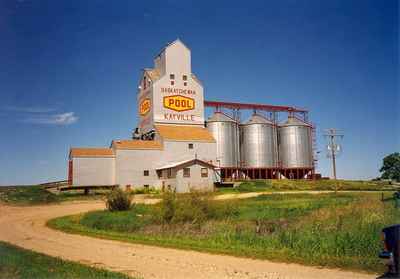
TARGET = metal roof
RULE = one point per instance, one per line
(220, 117)
(293, 121)
(137, 144)
(186, 162)
(91, 152)
(258, 119)
(184, 133)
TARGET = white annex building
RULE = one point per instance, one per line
(171, 148)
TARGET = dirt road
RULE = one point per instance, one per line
(25, 227)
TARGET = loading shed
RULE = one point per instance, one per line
(187, 175)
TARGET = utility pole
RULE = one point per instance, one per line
(333, 149)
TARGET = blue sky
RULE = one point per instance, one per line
(69, 71)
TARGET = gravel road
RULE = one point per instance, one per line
(25, 227)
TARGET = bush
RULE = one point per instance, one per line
(167, 206)
(194, 208)
(225, 209)
(27, 195)
(146, 190)
(118, 200)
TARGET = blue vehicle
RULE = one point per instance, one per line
(391, 251)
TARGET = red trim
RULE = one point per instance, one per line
(70, 169)
(233, 173)
(251, 106)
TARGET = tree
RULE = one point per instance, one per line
(391, 167)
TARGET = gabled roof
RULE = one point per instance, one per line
(91, 152)
(170, 44)
(154, 74)
(186, 163)
(184, 133)
(136, 144)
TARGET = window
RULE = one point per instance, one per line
(146, 186)
(185, 83)
(184, 77)
(172, 76)
(169, 173)
(145, 173)
(190, 145)
(186, 172)
(172, 82)
(144, 82)
(204, 172)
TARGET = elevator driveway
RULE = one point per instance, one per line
(26, 227)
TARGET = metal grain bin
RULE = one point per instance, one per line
(295, 144)
(226, 133)
(258, 146)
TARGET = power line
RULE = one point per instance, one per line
(333, 148)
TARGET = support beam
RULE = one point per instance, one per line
(256, 107)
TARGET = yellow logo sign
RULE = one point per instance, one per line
(144, 107)
(178, 103)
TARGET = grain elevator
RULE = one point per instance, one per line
(176, 145)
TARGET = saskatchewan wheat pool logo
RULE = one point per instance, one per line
(144, 107)
(178, 103)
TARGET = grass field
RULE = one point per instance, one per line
(307, 185)
(327, 230)
(20, 263)
(35, 194)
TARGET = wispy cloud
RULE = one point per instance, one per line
(28, 109)
(45, 115)
(66, 118)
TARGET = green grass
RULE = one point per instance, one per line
(341, 231)
(27, 195)
(36, 194)
(20, 263)
(307, 185)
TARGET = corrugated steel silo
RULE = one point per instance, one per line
(258, 146)
(295, 144)
(226, 133)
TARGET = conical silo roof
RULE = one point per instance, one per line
(257, 119)
(220, 117)
(293, 121)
